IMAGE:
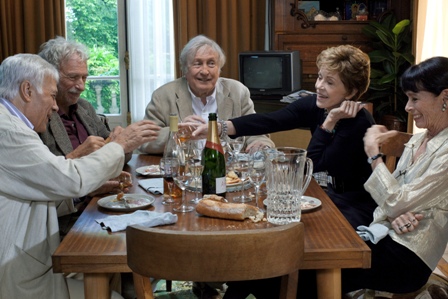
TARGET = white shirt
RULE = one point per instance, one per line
(204, 110)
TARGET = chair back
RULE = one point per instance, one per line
(215, 255)
(394, 148)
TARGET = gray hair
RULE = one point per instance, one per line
(193, 46)
(59, 49)
(24, 67)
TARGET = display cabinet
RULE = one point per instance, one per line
(293, 30)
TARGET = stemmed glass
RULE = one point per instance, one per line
(257, 172)
(236, 144)
(183, 135)
(169, 167)
(241, 168)
(181, 180)
(195, 167)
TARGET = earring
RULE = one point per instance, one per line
(444, 106)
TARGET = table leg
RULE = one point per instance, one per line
(329, 284)
(96, 286)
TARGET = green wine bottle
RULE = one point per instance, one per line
(214, 174)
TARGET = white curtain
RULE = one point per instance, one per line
(432, 31)
(151, 50)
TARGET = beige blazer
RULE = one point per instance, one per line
(232, 97)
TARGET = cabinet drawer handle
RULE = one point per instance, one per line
(344, 37)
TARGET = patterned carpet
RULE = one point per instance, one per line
(436, 288)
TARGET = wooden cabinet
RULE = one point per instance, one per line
(289, 33)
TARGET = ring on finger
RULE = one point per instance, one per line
(407, 225)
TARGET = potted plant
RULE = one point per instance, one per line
(390, 57)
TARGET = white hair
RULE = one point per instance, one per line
(24, 67)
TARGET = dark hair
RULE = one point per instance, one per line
(430, 75)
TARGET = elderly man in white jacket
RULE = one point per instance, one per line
(33, 179)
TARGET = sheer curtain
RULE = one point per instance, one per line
(432, 29)
(151, 50)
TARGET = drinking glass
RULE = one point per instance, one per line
(195, 167)
(169, 167)
(241, 168)
(181, 179)
(236, 144)
(257, 172)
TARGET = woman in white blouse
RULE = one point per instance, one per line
(417, 190)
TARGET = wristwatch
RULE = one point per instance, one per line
(371, 159)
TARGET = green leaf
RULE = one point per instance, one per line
(399, 28)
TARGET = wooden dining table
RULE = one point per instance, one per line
(330, 242)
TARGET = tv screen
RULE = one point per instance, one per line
(270, 72)
(256, 73)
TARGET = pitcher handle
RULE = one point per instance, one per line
(308, 174)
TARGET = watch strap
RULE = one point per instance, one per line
(371, 159)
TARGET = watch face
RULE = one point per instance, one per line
(369, 160)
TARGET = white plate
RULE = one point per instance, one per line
(150, 170)
(134, 202)
(308, 203)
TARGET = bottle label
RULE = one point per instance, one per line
(220, 185)
(214, 146)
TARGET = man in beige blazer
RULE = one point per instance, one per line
(199, 92)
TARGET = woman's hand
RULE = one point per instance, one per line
(375, 136)
(406, 222)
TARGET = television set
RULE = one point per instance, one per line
(270, 72)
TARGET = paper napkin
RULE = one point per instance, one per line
(117, 223)
(155, 186)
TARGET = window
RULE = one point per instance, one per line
(102, 26)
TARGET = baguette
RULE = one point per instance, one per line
(224, 210)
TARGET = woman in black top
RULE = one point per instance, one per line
(337, 123)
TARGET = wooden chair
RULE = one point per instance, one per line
(394, 148)
(215, 256)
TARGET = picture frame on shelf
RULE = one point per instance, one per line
(309, 8)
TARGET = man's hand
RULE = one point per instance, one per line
(256, 146)
(134, 135)
(112, 185)
(194, 119)
(91, 144)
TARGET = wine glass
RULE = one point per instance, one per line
(241, 168)
(169, 167)
(181, 179)
(184, 135)
(195, 167)
(236, 144)
(257, 171)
